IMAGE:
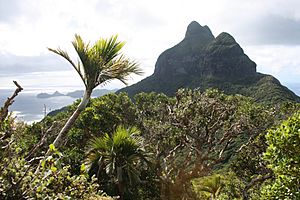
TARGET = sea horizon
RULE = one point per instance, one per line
(28, 108)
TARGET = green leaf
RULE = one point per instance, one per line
(53, 169)
(43, 164)
(82, 168)
(52, 147)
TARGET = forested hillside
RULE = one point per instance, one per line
(196, 145)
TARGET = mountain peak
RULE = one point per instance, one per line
(194, 29)
(225, 38)
(202, 61)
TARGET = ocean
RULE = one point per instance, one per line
(295, 87)
(27, 107)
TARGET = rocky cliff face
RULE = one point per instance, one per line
(201, 60)
(203, 55)
(225, 59)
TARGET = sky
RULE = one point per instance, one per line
(267, 30)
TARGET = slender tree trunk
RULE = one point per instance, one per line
(58, 140)
(121, 190)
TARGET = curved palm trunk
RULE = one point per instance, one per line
(86, 97)
(58, 140)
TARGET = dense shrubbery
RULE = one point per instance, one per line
(195, 145)
(283, 159)
(21, 178)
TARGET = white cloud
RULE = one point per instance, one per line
(278, 60)
(27, 27)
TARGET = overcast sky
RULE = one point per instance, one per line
(267, 30)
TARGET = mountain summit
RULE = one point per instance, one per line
(202, 61)
(201, 54)
(197, 32)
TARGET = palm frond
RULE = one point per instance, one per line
(99, 143)
(212, 184)
(119, 69)
(109, 49)
(101, 62)
(123, 155)
(82, 49)
(65, 55)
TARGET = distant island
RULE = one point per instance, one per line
(44, 95)
(75, 94)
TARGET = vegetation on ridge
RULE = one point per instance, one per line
(188, 140)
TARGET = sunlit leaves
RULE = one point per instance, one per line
(283, 157)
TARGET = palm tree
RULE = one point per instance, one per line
(211, 185)
(97, 65)
(119, 156)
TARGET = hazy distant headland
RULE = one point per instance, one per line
(75, 94)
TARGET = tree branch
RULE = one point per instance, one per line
(41, 142)
(9, 102)
(253, 182)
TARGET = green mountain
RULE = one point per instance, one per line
(203, 61)
(76, 94)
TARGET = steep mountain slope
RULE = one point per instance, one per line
(202, 61)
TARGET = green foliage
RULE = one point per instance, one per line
(119, 156)
(249, 165)
(20, 180)
(59, 183)
(282, 155)
(103, 114)
(189, 136)
(209, 186)
(221, 185)
(194, 133)
(106, 112)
